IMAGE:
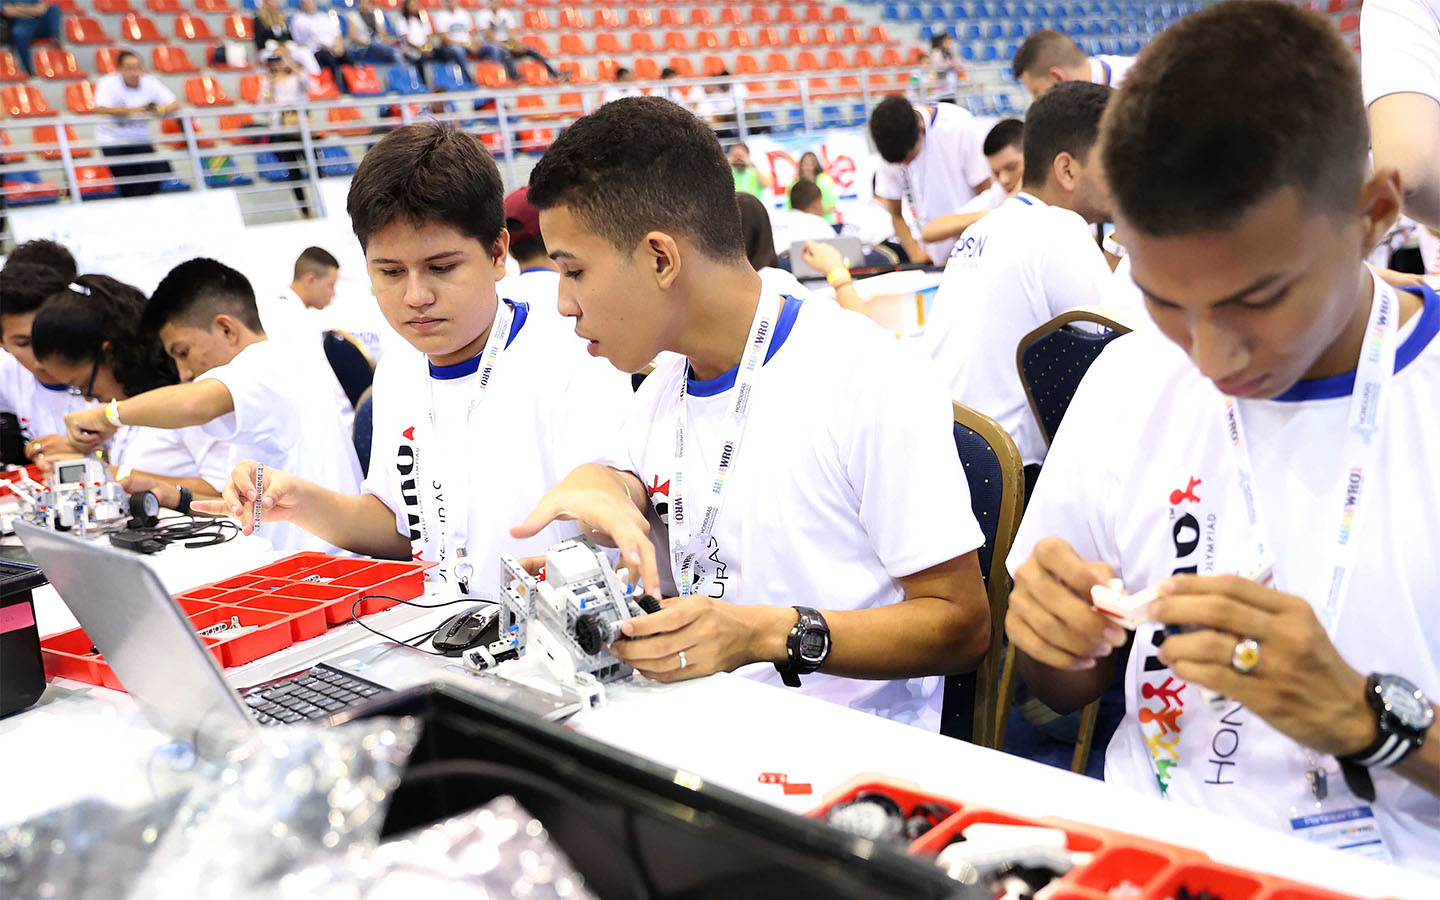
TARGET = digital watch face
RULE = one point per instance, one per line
(1407, 703)
(812, 646)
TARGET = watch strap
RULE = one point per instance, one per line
(795, 666)
(186, 496)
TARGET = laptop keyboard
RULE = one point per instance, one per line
(315, 694)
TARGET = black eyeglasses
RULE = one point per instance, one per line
(90, 388)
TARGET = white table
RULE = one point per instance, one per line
(727, 730)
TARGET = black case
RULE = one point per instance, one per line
(22, 671)
(632, 827)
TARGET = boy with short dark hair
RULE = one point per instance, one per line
(491, 408)
(787, 451)
(1280, 424)
(36, 399)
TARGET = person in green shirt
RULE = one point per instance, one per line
(809, 169)
(748, 177)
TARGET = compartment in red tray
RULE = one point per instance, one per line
(239, 581)
(204, 593)
(389, 593)
(1301, 892)
(403, 581)
(1219, 882)
(291, 565)
(266, 639)
(307, 617)
(270, 584)
(234, 598)
(1119, 866)
(194, 607)
(67, 655)
(939, 837)
(903, 793)
(335, 600)
(335, 568)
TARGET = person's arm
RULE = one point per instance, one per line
(360, 523)
(173, 406)
(825, 258)
(166, 488)
(902, 231)
(949, 226)
(1405, 135)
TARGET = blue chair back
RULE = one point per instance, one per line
(364, 429)
(350, 363)
(1054, 357)
(405, 80)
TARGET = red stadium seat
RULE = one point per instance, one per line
(607, 42)
(849, 84)
(80, 97)
(323, 86)
(746, 64)
(536, 20)
(864, 59)
(646, 69)
(164, 6)
(835, 59)
(9, 159)
(531, 72)
(714, 65)
(173, 126)
(85, 30)
(194, 28)
(814, 15)
(760, 15)
(878, 35)
(573, 45)
(820, 89)
(606, 18)
(571, 19)
(172, 61)
(707, 40)
(731, 16)
(826, 37)
(1349, 22)
(768, 37)
(113, 7)
(54, 64)
(682, 66)
(491, 75)
(363, 81)
(250, 88)
(797, 37)
(786, 91)
(701, 17)
(348, 114)
(239, 28)
(891, 57)
(214, 6)
(787, 15)
(677, 41)
(639, 18)
(853, 36)
(670, 18)
(805, 61)
(9, 70)
(577, 72)
(237, 121)
(533, 140)
(537, 43)
(606, 68)
(642, 42)
(738, 39)
(107, 60)
(139, 30)
(95, 181)
(777, 62)
(205, 91)
(45, 134)
(840, 15)
(24, 101)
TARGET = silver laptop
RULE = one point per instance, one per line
(848, 246)
(158, 656)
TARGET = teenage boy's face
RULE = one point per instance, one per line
(1008, 167)
(1256, 305)
(436, 286)
(197, 350)
(615, 300)
(15, 338)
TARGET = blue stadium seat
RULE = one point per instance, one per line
(449, 77)
(971, 33)
(891, 13)
(994, 31)
(958, 11)
(990, 53)
(1042, 11)
(967, 52)
(980, 11)
(334, 162)
(1001, 11)
(405, 80)
(913, 13)
(936, 13)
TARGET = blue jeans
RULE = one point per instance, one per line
(376, 52)
(24, 31)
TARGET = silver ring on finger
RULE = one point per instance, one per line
(683, 661)
(1246, 656)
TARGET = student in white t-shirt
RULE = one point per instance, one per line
(1030, 260)
(932, 157)
(294, 316)
(89, 335)
(126, 101)
(537, 283)
(1047, 58)
(1004, 149)
(258, 398)
(1401, 67)
(28, 391)
(802, 220)
(830, 449)
(490, 405)
(1283, 417)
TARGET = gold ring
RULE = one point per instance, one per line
(1246, 656)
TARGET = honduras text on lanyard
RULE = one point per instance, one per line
(1358, 453)
(458, 475)
(684, 547)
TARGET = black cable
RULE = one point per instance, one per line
(355, 617)
(516, 777)
(198, 532)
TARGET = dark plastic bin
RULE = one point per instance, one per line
(22, 670)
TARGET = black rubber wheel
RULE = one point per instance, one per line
(144, 509)
(648, 603)
(587, 635)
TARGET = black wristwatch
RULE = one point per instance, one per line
(807, 646)
(1404, 714)
(183, 507)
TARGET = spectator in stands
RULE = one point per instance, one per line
(1223, 441)
(1025, 263)
(624, 86)
(272, 30)
(422, 39)
(749, 178)
(256, 396)
(1004, 151)
(370, 35)
(1047, 58)
(128, 100)
(678, 94)
(456, 28)
(319, 33)
(809, 169)
(497, 29)
(29, 22)
(538, 281)
(33, 401)
(933, 159)
(283, 84)
(1401, 67)
(945, 66)
(718, 107)
(89, 334)
(634, 199)
(801, 219)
